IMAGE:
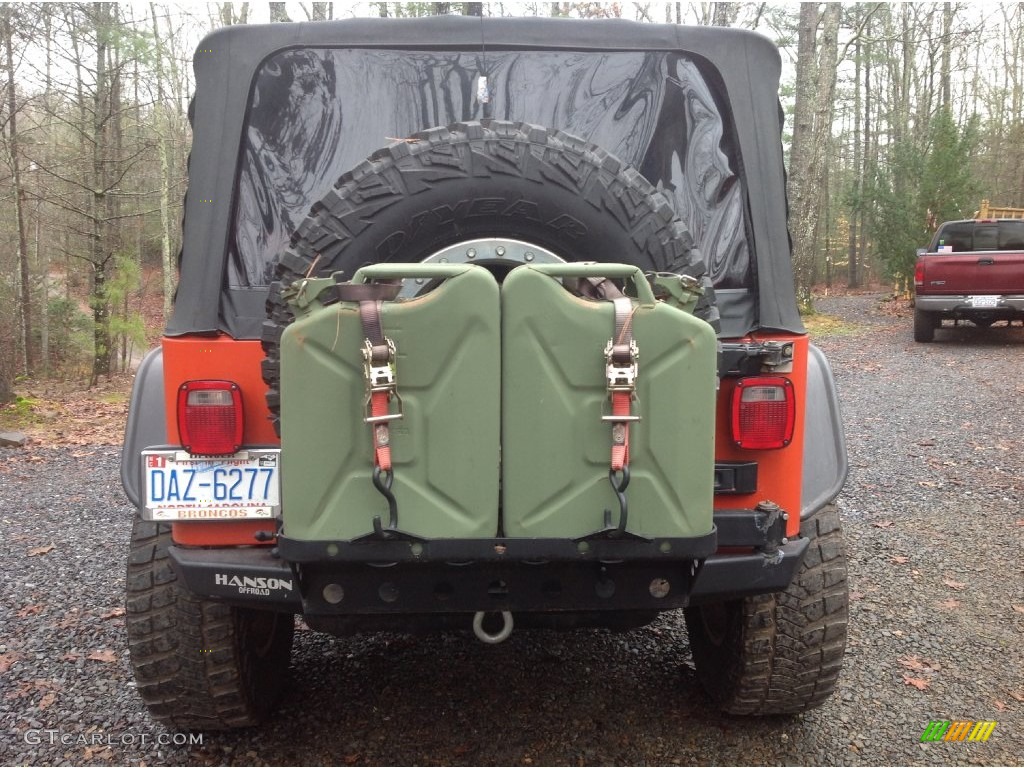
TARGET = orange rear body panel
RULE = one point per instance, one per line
(779, 475)
(219, 357)
(780, 471)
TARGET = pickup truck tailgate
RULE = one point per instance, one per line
(980, 272)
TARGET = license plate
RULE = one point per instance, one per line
(180, 486)
(984, 302)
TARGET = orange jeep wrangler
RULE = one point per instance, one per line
(483, 324)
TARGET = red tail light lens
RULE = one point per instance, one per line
(210, 417)
(919, 273)
(763, 412)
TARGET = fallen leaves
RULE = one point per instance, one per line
(922, 667)
(953, 584)
(900, 559)
(1018, 608)
(883, 524)
(918, 664)
(29, 610)
(103, 753)
(7, 660)
(104, 655)
(37, 551)
(112, 614)
(917, 682)
(64, 415)
(949, 604)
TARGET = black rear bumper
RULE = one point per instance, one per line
(746, 553)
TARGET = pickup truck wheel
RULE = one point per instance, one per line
(490, 179)
(925, 324)
(198, 664)
(781, 653)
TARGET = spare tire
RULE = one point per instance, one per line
(488, 179)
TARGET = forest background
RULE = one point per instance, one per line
(898, 117)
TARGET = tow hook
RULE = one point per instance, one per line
(500, 636)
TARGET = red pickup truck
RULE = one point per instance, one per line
(973, 270)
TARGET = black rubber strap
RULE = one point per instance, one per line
(623, 338)
(369, 315)
(382, 291)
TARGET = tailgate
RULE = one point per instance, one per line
(980, 272)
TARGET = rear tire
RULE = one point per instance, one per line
(780, 653)
(490, 179)
(198, 664)
(925, 324)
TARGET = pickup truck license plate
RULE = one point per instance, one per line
(180, 486)
(984, 302)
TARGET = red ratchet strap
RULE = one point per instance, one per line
(381, 381)
(621, 355)
(379, 357)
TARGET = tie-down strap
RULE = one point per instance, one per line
(621, 369)
(621, 355)
(379, 363)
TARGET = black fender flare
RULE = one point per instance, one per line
(147, 422)
(825, 466)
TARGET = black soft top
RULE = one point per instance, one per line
(742, 68)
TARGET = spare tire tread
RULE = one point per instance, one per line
(429, 183)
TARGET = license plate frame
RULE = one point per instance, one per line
(179, 487)
(984, 302)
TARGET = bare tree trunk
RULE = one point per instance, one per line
(823, 116)
(801, 170)
(725, 14)
(166, 262)
(868, 163)
(25, 302)
(98, 257)
(112, 212)
(947, 50)
(278, 12)
(853, 279)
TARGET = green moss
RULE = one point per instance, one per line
(19, 413)
(819, 325)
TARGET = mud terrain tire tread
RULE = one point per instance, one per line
(199, 665)
(781, 653)
(417, 196)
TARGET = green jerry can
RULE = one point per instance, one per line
(444, 449)
(557, 426)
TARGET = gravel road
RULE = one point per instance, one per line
(934, 526)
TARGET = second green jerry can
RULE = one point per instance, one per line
(555, 443)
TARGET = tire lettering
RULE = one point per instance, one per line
(523, 209)
(574, 228)
(486, 206)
